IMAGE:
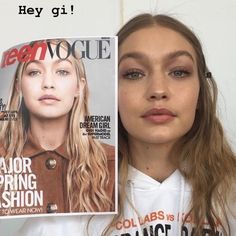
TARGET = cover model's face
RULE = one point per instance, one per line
(158, 85)
(50, 86)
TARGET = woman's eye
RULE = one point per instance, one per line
(63, 72)
(34, 73)
(133, 74)
(179, 73)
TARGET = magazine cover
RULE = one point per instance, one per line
(58, 127)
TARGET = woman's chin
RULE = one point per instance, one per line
(49, 115)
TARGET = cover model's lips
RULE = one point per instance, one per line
(157, 115)
(48, 97)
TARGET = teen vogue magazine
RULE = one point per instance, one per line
(58, 127)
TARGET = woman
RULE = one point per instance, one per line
(74, 171)
(176, 169)
(163, 66)
(171, 182)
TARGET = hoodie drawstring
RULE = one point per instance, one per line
(136, 218)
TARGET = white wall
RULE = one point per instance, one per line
(213, 21)
(89, 18)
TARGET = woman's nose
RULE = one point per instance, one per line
(157, 88)
(48, 81)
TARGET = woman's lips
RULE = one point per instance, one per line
(159, 116)
(48, 99)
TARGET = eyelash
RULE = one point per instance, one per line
(60, 72)
(133, 74)
(63, 72)
(184, 73)
(34, 73)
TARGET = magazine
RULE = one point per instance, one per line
(58, 147)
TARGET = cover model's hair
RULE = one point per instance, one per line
(87, 174)
(205, 158)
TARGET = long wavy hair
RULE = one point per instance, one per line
(87, 173)
(205, 157)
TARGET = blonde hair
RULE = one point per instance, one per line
(87, 173)
(205, 158)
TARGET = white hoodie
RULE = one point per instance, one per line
(156, 211)
(154, 208)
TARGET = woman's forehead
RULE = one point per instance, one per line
(51, 62)
(156, 41)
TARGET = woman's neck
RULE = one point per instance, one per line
(49, 133)
(153, 159)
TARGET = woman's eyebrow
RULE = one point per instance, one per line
(169, 56)
(33, 61)
(134, 55)
(179, 53)
(62, 60)
(55, 62)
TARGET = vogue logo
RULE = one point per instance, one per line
(90, 49)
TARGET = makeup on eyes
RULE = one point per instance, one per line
(180, 71)
(63, 71)
(62, 68)
(180, 66)
(133, 73)
(33, 71)
(177, 64)
(131, 68)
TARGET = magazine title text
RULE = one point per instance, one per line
(38, 50)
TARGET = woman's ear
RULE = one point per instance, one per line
(80, 87)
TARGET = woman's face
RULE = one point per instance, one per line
(158, 85)
(50, 86)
